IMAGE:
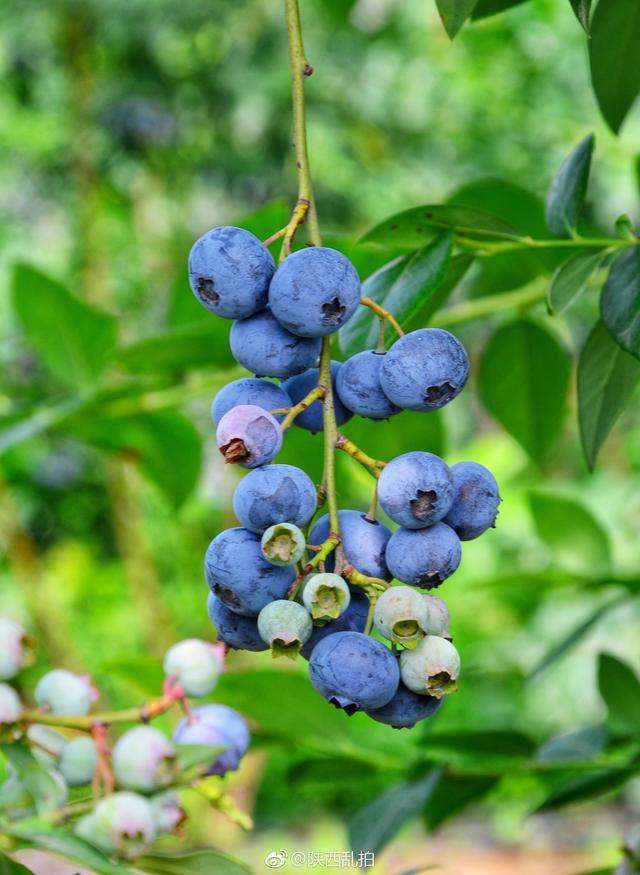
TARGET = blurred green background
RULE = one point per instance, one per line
(128, 129)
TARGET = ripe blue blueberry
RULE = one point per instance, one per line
(78, 761)
(415, 489)
(283, 544)
(230, 271)
(424, 370)
(401, 615)
(406, 709)
(314, 291)
(353, 619)
(432, 668)
(285, 626)
(195, 664)
(364, 542)
(240, 576)
(143, 759)
(359, 388)
(475, 500)
(15, 650)
(217, 726)
(10, 707)
(354, 672)
(275, 494)
(326, 596)
(237, 632)
(249, 390)
(61, 692)
(424, 557)
(311, 418)
(261, 345)
(121, 825)
(248, 436)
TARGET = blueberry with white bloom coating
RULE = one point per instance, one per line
(285, 626)
(424, 370)
(275, 494)
(217, 726)
(121, 825)
(261, 345)
(196, 665)
(299, 387)
(359, 389)
(283, 544)
(237, 632)
(438, 616)
(248, 436)
(406, 709)
(78, 761)
(326, 596)
(62, 692)
(10, 707)
(354, 619)
(314, 291)
(143, 759)
(401, 615)
(424, 557)
(239, 575)
(354, 672)
(15, 650)
(415, 489)
(230, 271)
(475, 500)
(364, 542)
(249, 390)
(432, 668)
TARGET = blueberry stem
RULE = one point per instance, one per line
(487, 306)
(374, 466)
(383, 313)
(511, 243)
(307, 401)
(372, 585)
(369, 621)
(323, 551)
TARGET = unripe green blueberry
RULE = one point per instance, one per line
(439, 617)
(62, 692)
(168, 812)
(326, 596)
(78, 761)
(47, 744)
(401, 615)
(283, 544)
(432, 667)
(16, 802)
(196, 665)
(121, 825)
(285, 626)
(10, 707)
(143, 759)
(15, 648)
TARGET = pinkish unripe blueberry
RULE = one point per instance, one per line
(62, 692)
(15, 648)
(168, 812)
(143, 759)
(432, 668)
(401, 616)
(78, 761)
(121, 825)
(283, 544)
(285, 626)
(10, 707)
(439, 618)
(326, 596)
(196, 665)
(248, 436)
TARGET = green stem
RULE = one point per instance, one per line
(516, 244)
(474, 309)
(330, 436)
(298, 408)
(104, 718)
(323, 551)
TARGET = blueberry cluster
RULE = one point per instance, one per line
(283, 582)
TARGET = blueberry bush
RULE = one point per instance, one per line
(289, 390)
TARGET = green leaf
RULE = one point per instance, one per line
(458, 267)
(12, 867)
(408, 229)
(489, 743)
(607, 379)
(371, 828)
(620, 688)
(575, 636)
(194, 863)
(192, 755)
(72, 339)
(51, 839)
(453, 794)
(486, 8)
(613, 52)
(166, 443)
(572, 279)
(47, 792)
(454, 13)
(582, 744)
(620, 300)
(582, 9)
(583, 788)
(571, 532)
(178, 349)
(565, 200)
(524, 375)
(402, 287)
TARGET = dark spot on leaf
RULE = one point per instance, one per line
(424, 504)
(333, 311)
(429, 215)
(439, 394)
(419, 229)
(393, 227)
(207, 290)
